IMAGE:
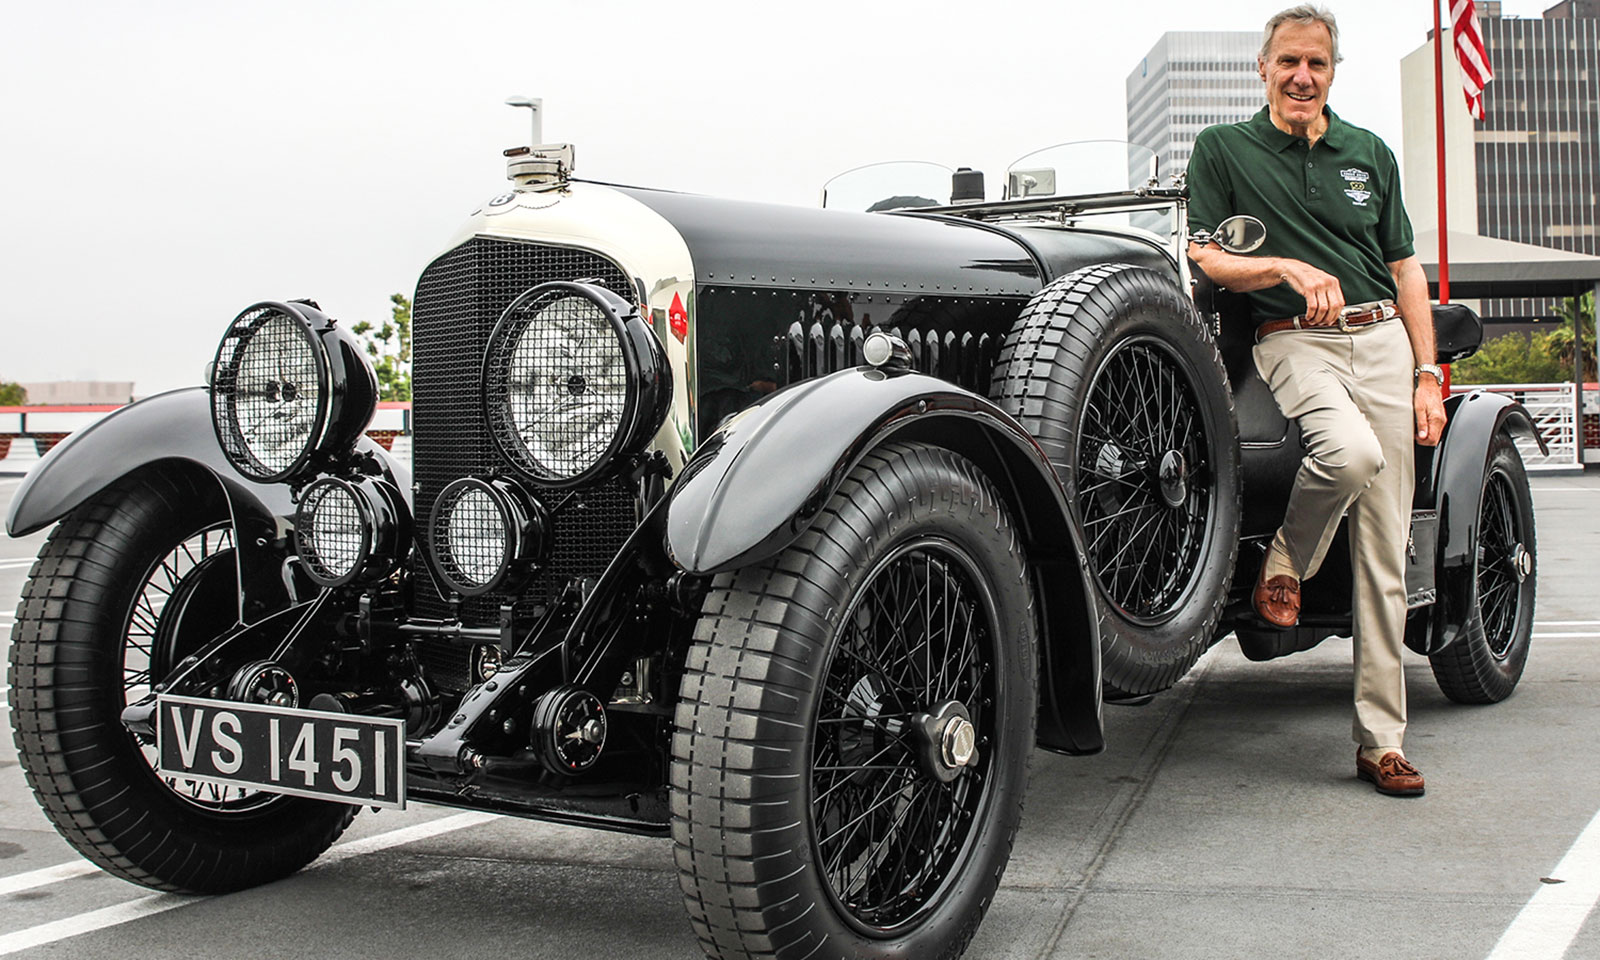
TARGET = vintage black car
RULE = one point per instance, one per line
(788, 533)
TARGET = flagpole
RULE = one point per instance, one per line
(1438, 136)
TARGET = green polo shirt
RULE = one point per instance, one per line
(1335, 205)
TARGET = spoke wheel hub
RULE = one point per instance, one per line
(1521, 562)
(947, 741)
(1173, 478)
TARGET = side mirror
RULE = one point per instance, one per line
(1238, 234)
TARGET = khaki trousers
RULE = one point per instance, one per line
(1352, 395)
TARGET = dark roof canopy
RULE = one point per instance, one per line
(1483, 268)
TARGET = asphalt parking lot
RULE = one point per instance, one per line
(1224, 821)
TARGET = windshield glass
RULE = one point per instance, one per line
(1092, 166)
(1084, 166)
(888, 186)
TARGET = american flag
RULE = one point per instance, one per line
(1475, 70)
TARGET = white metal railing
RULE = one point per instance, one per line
(1553, 407)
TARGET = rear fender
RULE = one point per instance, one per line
(1450, 480)
(173, 431)
(758, 483)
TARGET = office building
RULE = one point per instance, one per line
(1529, 171)
(1187, 82)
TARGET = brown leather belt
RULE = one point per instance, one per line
(1358, 316)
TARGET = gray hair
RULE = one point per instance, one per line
(1306, 14)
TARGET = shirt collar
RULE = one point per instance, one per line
(1279, 141)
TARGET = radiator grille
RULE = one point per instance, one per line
(459, 298)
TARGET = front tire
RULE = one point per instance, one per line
(92, 635)
(1113, 372)
(1485, 664)
(820, 803)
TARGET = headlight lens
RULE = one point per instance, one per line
(288, 383)
(572, 381)
(351, 531)
(333, 537)
(486, 535)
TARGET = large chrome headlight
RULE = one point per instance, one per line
(351, 531)
(486, 535)
(574, 383)
(288, 383)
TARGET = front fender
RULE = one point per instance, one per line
(1453, 485)
(175, 425)
(758, 483)
(175, 428)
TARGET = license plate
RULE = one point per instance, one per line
(305, 753)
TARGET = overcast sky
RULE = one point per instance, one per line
(165, 164)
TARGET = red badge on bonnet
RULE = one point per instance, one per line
(678, 318)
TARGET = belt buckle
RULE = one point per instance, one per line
(1342, 324)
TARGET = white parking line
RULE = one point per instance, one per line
(1566, 623)
(8, 564)
(1546, 926)
(162, 902)
(1567, 635)
(38, 878)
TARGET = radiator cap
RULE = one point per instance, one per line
(539, 168)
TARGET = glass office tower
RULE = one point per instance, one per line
(1187, 82)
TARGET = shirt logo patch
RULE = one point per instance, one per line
(1355, 181)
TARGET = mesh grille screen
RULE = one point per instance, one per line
(266, 391)
(459, 298)
(469, 536)
(332, 530)
(556, 385)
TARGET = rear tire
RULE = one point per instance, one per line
(89, 638)
(1485, 664)
(809, 813)
(1113, 372)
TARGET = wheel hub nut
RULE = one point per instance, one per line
(957, 743)
(1521, 562)
(1174, 479)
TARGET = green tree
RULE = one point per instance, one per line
(389, 346)
(1560, 345)
(12, 394)
(1544, 357)
(1511, 358)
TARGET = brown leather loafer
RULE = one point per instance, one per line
(1391, 775)
(1277, 600)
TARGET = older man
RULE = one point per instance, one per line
(1325, 290)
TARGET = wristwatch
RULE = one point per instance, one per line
(1431, 369)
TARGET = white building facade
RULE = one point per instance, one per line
(1187, 82)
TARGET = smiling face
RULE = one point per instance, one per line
(1298, 73)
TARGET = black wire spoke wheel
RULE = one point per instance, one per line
(855, 724)
(1503, 565)
(192, 576)
(1145, 482)
(130, 583)
(888, 830)
(1486, 662)
(1117, 377)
